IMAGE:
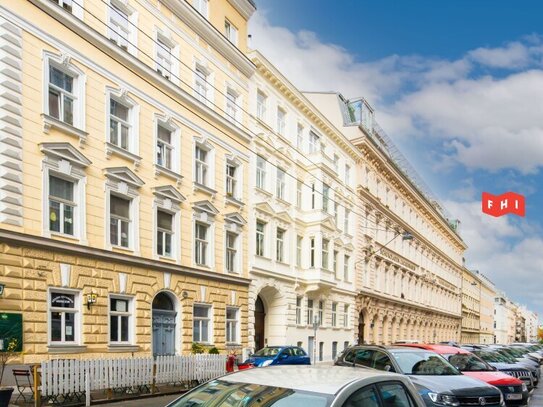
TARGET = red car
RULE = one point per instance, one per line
(515, 392)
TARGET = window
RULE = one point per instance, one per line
(232, 180)
(309, 312)
(281, 121)
(164, 147)
(312, 252)
(346, 261)
(121, 30)
(201, 79)
(334, 350)
(346, 315)
(347, 213)
(164, 234)
(321, 313)
(345, 344)
(231, 252)
(298, 310)
(336, 162)
(201, 244)
(164, 58)
(261, 105)
(365, 396)
(280, 245)
(231, 32)
(299, 241)
(65, 4)
(64, 316)
(120, 221)
(280, 184)
(334, 314)
(260, 172)
(325, 243)
(299, 194)
(300, 138)
(321, 351)
(120, 320)
(335, 262)
(119, 125)
(260, 228)
(61, 99)
(201, 6)
(325, 197)
(314, 142)
(232, 104)
(313, 192)
(232, 325)
(347, 174)
(201, 325)
(201, 165)
(61, 206)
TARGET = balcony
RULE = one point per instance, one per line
(318, 279)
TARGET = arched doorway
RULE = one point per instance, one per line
(164, 324)
(260, 323)
(361, 326)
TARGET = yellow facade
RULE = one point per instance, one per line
(471, 307)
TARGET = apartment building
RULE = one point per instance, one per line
(471, 307)
(124, 187)
(409, 256)
(302, 219)
(488, 293)
(504, 319)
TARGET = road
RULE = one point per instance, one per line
(537, 397)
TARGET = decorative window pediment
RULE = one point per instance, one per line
(235, 218)
(169, 192)
(349, 247)
(339, 242)
(66, 152)
(266, 208)
(205, 206)
(328, 223)
(124, 174)
(285, 217)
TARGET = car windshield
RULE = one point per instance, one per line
(267, 351)
(492, 357)
(423, 363)
(223, 393)
(467, 363)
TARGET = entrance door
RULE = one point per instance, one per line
(260, 320)
(163, 325)
(361, 326)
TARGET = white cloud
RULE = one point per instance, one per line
(513, 55)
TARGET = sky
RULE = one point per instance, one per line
(458, 87)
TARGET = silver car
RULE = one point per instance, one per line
(304, 386)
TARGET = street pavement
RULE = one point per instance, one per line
(537, 397)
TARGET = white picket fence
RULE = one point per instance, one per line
(77, 378)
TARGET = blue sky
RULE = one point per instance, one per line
(457, 85)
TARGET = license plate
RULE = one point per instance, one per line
(513, 397)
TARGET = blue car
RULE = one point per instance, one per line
(277, 355)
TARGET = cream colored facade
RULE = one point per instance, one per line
(302, 217)
(409, 289)
(101, 189)
(531, 323)
(488, 293)
(471, 307)
(505, 322)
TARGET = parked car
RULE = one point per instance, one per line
(304, 386)
(515, 392)
(437, 381)
(277, 355)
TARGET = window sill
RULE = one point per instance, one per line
(282, 263)
(263, 257)
(66, 348)
(282, 201)
(263, 192)
(50, 122)
(122, 348)
(159, 169)
(122, 249)
(63, 236)
(233, 201)
(113, 149)
(203, 188)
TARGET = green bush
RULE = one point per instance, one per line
(213, 351)
(197, 348)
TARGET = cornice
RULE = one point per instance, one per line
(211, 35)
(245, 7)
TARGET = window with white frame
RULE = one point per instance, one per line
(347, 174)
(312, 252)
(309, 312)
(334, 350)
(164, 58)
(231, 32)
(299, 241)
(120, 320)
(346, 215)
(325, 244)
(201, 244)
(202, 6)
(64, 316)
(232, 104)
(201, 83)
(120, 128)
(165, 233)
(300, 137)
(321, 312)
(260, 237)
(336, 162)
(346, 315)
(261, 100)
(120, 229)
(299, 310)
(314, 142)
(299, 186)
(232, 325)
(201, 325)
(335, 262)
(232, 252)
(260, 172)
(280, 245)
(121, 28)
(62, 97)
(281, 184)
(281, 121)
(65, 4)
(334, 314)
(313, 196)
(62, 205)
(165, 154)
(201, 165)
(232, 185)
(325, 197)
(346, 261)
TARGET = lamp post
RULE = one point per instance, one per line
(315, 327)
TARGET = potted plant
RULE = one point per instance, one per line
(9, 352)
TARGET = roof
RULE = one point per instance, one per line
(322, 378)
(441, 349)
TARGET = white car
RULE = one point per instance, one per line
(304, 386)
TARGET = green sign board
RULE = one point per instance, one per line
(11, 327)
